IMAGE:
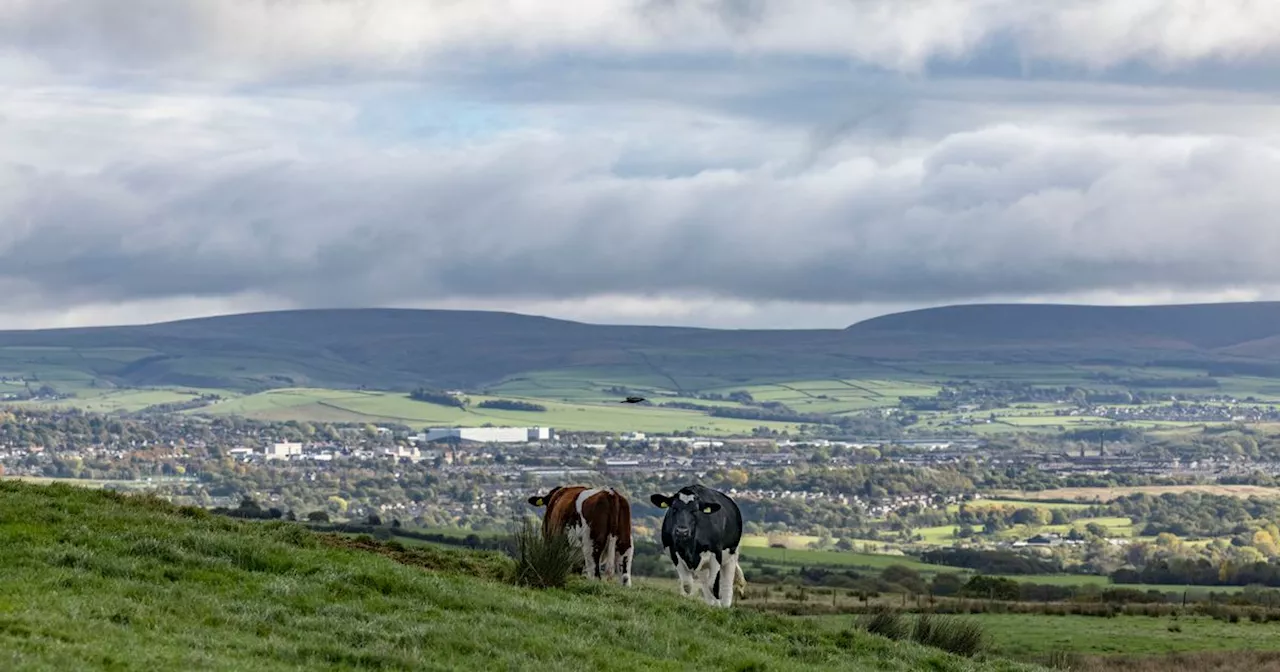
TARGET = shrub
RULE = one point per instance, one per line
(961, 636)
(885, 622)
(542, 561)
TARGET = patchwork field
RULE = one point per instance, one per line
(1108, 494)
(583, 397)
(357, 406)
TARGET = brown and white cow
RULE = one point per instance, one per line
(598, 520)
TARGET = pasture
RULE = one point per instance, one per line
(1031, 636)
(582, 397)
(1103, 495)
(94, 581)
(319, 405)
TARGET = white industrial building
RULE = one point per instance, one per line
(488, 434)
(282, 451)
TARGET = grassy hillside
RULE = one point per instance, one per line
(97, 580)
(401, 349)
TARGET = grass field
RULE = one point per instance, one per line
(580, 398)
(1028, 636)
(834, 558)
(1107, 494)
(100, 581)
(87, 483)
(373, 407)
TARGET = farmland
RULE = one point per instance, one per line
(585, 401)
(139, 584)
(1109, 494)
(356, 365)
(1023, 637)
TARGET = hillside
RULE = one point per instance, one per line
(402, 349)
(97, 580)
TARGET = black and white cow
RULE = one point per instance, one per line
(701, 533)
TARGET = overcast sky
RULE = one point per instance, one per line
(732, 163)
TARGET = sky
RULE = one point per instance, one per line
(722, 163)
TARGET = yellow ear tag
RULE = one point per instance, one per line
(706, 509)
(540, 501)
(662, 505)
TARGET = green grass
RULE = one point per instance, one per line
(1033, 635)
(373, 407)
(1021, 636)
(84, 482)
(105, 379)
(109, 400)
(97, 580)
(835, 558)
(978, 504)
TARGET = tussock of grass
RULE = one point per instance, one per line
(95, 580)
(544, 562)
(960, 636)
(884, 622)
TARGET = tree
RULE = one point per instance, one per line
(1265, 543)
(336, 504)
(318, 516)
(945, 584)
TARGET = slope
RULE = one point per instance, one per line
(401, 349)
(1188, 326)
(98, 580)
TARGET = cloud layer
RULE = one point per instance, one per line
(732, 163)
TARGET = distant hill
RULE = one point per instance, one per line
(98, 580)
(404, 349)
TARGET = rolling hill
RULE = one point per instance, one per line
(95, 580)
(400, 349)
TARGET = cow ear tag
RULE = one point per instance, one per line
(538, 502)
(706, 509)
(663, 505)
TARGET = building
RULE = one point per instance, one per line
(488, 434)
(283, 451)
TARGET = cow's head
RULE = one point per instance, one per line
(685, 510)
(541, 500)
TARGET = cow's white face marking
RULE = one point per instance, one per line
(686, 497)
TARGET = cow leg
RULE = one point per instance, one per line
(589, 567)
(728, 573)
(707, 571)
(686, 577)
(624, 565)
(606, 556)
(597, 558)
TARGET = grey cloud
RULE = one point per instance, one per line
(995, 212)
(334, 40)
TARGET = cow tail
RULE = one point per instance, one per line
(610, 552)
